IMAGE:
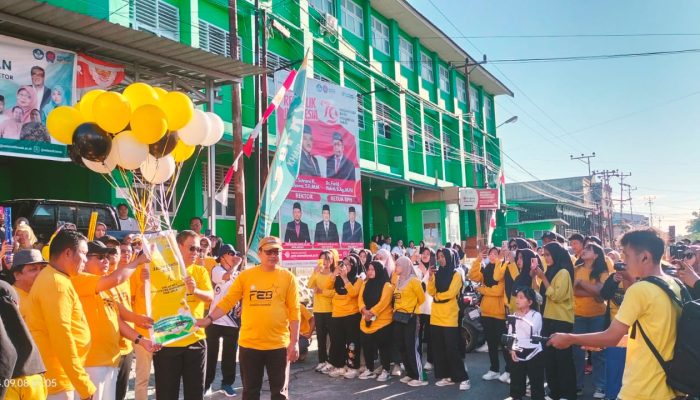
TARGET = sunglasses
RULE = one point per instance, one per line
(195, 248)
(273, 252)
(99, 256)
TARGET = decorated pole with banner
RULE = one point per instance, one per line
(285, 165)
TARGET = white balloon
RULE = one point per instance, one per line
(128, 152)
(216, 132)
(196, 130)
(158, 170)
(104, 167)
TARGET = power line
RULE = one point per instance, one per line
(594, 57)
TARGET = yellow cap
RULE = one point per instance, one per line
(270, 242)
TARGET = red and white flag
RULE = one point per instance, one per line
(97, 74)
(222, 195)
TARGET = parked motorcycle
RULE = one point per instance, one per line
(472, 329)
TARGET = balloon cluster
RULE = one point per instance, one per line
(143, 127)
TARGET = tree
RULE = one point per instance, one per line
(694, 224)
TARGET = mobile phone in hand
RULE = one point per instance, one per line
(534, 263)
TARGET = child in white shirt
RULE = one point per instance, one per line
(528, 360)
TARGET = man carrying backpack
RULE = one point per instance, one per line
(650, 316)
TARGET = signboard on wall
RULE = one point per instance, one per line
(34, 79)
(478, 199)
(324, 208)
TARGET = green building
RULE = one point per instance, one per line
(416, 140)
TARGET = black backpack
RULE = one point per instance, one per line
(681, 369)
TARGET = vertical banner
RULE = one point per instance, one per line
(324, 208)
(34, 79)
(285, 165)
(167, 300)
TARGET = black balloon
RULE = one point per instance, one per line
(74, 156)
(92, 142)
(165, 145)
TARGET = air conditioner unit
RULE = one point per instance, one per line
(330, 23)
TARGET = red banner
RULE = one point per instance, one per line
(98, 74)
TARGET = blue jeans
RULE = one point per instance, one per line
(589, 325)
(614, 367)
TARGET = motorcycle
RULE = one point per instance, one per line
(472, 329)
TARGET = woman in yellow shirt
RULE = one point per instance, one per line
(375, 305)
(558, 316)
(408, 297)
(323, 303)
(589, 311)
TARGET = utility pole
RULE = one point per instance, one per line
(585, 157)
(264, 148)
(650, 202)
(256, 102)
(606, 175)
(622, 177)
(629, 198)
(237, 130)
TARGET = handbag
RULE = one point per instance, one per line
(402, 317)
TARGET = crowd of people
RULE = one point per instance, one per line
(75, 319)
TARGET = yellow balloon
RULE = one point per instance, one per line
(160, 91)
(112, 112)
(182, 151)
(140, 94)
(178, 109)
(86, 103)
(62, 121)
(148, 124)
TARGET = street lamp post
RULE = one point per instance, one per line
(510, 120)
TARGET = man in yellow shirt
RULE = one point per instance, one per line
(644, 302)
(26, 266)
(186, 359)
(269, 337)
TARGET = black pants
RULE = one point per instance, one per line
(448, 361)
(559, 364)
(123, 375)
(532, 369)
(172, 364)
(406, 339)
(493, 329)
(323, 331)
(254, 363)
(345, 341)
(229, 335)
(424, 337)
(379, 341)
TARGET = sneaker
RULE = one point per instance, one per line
(327, 369)
(362, 369)
(384, 376)
(337, 372)
(444, 382)
(491, 375)
(405, 379)
(505, 378)
(396, 371)
(428, 366)
(320, 366)
(579, 392)
(208, 392)
(599, 394)
(351, 373)
(483, 348)
(378, 370)
(229, 391)
(367, 375)
(465, 385)
(416, 383)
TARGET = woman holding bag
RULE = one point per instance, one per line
(408, 296)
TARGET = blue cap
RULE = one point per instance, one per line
(225, 249)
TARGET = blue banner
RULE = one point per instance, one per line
(285, 166)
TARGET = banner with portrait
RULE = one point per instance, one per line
(167, 301)
(34, 79)
(324, 208)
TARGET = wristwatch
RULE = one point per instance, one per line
(138, 339)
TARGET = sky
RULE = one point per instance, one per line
(640, 115)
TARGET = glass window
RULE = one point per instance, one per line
(323, 6)
(426, 67)
(430, 140)
(406, 53)
(446, 144)
(44, 216)
(352, 18)
(473, 99)
(487, 108)
(412, 132)
(157, 17)
(220, 173)
(66, 214)
(444, 79)
(383, 117)
(380, 36)
(360, 113)
(461, 93)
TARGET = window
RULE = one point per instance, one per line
(427, 67)
(360, 113)
(461, 93)
(158, 18)
(352, 18)
(216, 40)
(219, 175)
(380, 36)
(406, 53)
(274, 63)
(412, 132)
(321, 78)
(473, 100)
(444, 79)
(383, 118)
(323, 6)
(430, 145)
(446, 143)
(487, 108)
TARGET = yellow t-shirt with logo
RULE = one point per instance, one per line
(138, 297)
(410, 298)
(197, 306)
(345, 304)
(382, 309)
(269, 301)
(122, 294)
(445, 314)
(60, 330)
(585, 306)
(644, 379)
(102, 315)
(323, 302)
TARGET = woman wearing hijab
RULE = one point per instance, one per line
(515, 276)
(427, 260)
(375, 305)
(385, 257)
(408, 296)
(493, 313)
(345, 321)
(558, 316)
(444, 285)
(323, 304)
(58, 98)
(366, 257)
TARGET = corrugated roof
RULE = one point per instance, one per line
(47, 24)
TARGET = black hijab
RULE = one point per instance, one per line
(375, 286)
(523, 279)
(368, 259)
(487, 272)
(444, 275)
(339, 285)
(520, 243)
(560, 260)
(433, 258)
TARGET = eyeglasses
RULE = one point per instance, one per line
(272, 252)
(99, 256)
(195, 248)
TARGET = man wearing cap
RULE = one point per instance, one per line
(25, 267)
(548, 237)
(337, 165)
(308, 165)
(352, 230)
(226, 327)
(326, 230)
(269, 337)
(297, 231)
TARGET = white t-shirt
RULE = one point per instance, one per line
(386, 247)
(398, 250)
(129, 224)
(221, 286)
(523, 332)
(428, 303)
